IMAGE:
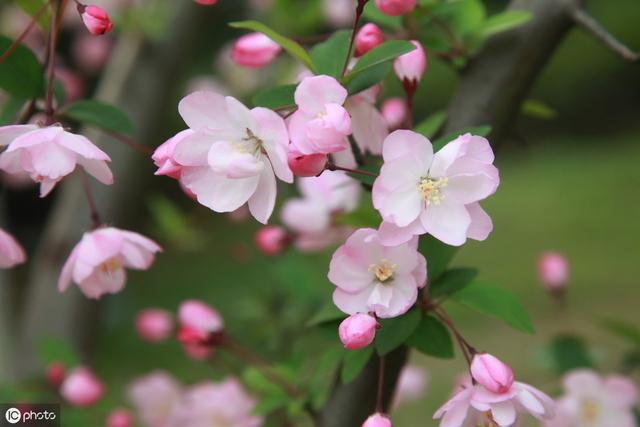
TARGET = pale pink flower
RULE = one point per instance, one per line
(163, 155)
(91, 53)
(371, 277)
(418, 192)
(368, 125)
(272, 239)
(412, 384)
(306, 164)
(55, 373)
(395, 7)
(339, 13)
(254, 50)
(81, 387)
(357, 331)
(95, 19)
(233, 155)
(120, 418)
(321, 123)
(199, 325)
(492, 373)
(394, 111)
(377, 420)
(368, 37)
(154, 396)
(49, 154)
(595, 401)
(11, 252)
(154, 324)
(411, 66)
(553, 271)
(97, 264)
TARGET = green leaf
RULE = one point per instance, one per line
(100, 114)
(292, 47)
(354, 362)
(430, 126)
(363, 217)
(368, 78)
(56, 350)
(452, 281)
(394, 332)
(570, 352)
(10, 110)
(476, 130)
(438, 255)
(31, 7)
(432, 338)
(462, 16)
(276, 98)
(329, 56)
(386, 52)
(624, 330)
(256, 380)
(502, 22)
(538, 110)
(373, 14)
(20, 73)
(328, 313)
(270, 404)
(497, 302)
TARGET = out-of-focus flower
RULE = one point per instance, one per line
(95, 19)
(367, 38)
(49, 154)
(154, 397)
(206, 2)
(321, 123)
(370, 277)
(154, 324)
(11, 252)
(394, 111)
(91, 53)
(395, 7)
(339, 13)
(377, 420)
(200, 324)
(81, 387)
(553, 271)
(412, 384)
(368, 125)
(418, 192)
(97, 264)
(411, 66)
(55, 373)
(492, 373)
(357, 331)
(234, 154)
(74, 84)
(254, 50)
(595, 401)
(306, 165)
(119, 418)
(272, 239)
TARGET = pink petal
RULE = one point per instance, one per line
(504, 413)
(447, 222)
(263, 200)
(9, 133)
(369, 127)
(98, 169)
(406, 143)
(481, 224)
(275, 140)
(11, 252)
(193, 150)
(100, 283)
(204, 110)
(216, 192)
(313, 93)
(81, 146)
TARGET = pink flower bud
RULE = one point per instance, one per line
(367, 38)
(394, 111)
(119, 418)
(272, 239)
(198, 321)
(254, 50)
(154, 324)
(95, 19)
(357, 331)
(206, 2)
(410, 67)
(395, 7)
(377, 420)
(55, 373)
(307, 165)
(491, 373)
(553, 271)
(81, 387)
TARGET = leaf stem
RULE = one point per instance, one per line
(379, 392)
(51, 62)
(333, 167)
(93, 210)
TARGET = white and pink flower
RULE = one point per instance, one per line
(154, 324)
(199, 324)
(418, 192)
(11, 252)
(371, 277)
(155, 397)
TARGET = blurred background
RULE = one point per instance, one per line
(569, 183)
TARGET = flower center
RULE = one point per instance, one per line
(431, 189)
(250, 144)
(383, 270)
(487, 420)
(589, 411)
(110, 266)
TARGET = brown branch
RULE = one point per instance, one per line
(593, 27)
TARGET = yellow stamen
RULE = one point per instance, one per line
(430, 188)
(110, 266)
(383, 270)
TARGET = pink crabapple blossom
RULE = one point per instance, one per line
(163, 155)
(368, 125)
(371, 277)
(491, 372)
(154, 324)
(272, 239)
(411, 66)
(254, 50)
(199, 324)
(553, 271)
(120, 418)
(154, 397)
(81, 387)
(368, 37)
(305, 165)
(357, 331)
(95, 19)
(11, 252)
(48, 154)
(420, 192)
(595, 401)
(377, 420)
(321, 123)
(395, 7)
(394, 111)
(233, 155)
(97, 263)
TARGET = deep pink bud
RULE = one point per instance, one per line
(272, 239)
(491, 373)
(95, 19)
(81, 387)
(395, 7)
(119, 418)
(410, 67)
(307, 165)
(553, 271)
(377, 420)
(206, 2)
(369, 36)
(394, 111)
(357, 331)
(154, 324)
(254, 50)
(197, 315)
(55, 373)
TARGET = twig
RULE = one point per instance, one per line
(130, 142)
(93, 210)
(26, 31)
(467, 350)
(51, 63)
(352, 39)
(379, 393)
(586, 22)
(333, 167)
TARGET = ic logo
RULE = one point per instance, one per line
(13, 415)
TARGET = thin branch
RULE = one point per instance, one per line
(93, 210)
(593, 27)
(332, 167)
(354, 30)
(143, 149)
(51, 63)
(380, 391)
